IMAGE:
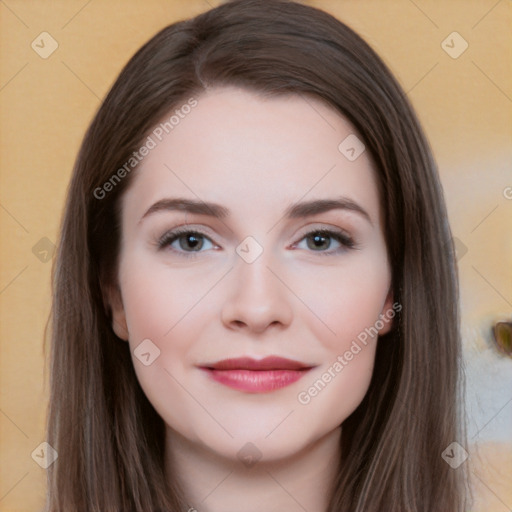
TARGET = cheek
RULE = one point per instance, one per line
(159, 306)
(336, 389)
(157, 299)
(349, 311)
(171, 310)
(344, 301)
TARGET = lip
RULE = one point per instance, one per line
(257, 375)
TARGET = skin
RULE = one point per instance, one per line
(255, 156)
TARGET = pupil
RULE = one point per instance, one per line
(193, 242)
(318, 240)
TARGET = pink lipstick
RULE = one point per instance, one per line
(257, 376)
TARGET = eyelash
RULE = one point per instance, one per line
(346, 241)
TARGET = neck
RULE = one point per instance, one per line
(213, 483)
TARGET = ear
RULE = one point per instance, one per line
(115, 302)
(385, 315)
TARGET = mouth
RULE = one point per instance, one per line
(256, 376)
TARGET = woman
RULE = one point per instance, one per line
(255, 295)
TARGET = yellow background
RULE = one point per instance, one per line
(464, 105)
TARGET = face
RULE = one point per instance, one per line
(277, 251)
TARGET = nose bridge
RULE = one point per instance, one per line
(256, 274)
(254, 282)
(256, 298)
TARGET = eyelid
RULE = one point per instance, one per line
(322, 226)
(343, 237)
(180, 230)
(185, 228)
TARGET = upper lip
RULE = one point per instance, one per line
(248, 363)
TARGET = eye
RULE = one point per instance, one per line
(188, 243)
(321, 241)
(185, 241)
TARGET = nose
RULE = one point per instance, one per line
(256, 299)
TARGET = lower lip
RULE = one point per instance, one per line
(252, 381)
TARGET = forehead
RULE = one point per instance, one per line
(256, 155)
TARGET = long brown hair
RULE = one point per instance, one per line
(108, 436)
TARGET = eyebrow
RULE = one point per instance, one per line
(297, 210)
